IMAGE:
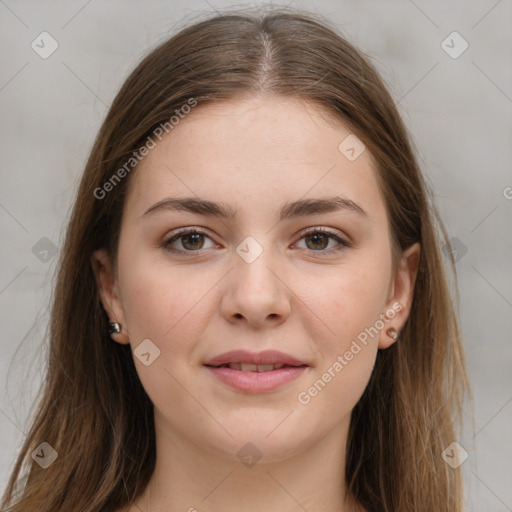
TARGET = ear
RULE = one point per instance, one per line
(401, 294)
(106, 281)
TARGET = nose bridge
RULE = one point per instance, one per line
(255, 290)
(255, 262)
(250, 250)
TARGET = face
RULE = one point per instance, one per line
(280, 272)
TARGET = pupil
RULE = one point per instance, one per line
(193, 238)
(316, 236)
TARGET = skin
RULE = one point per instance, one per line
(253, 154)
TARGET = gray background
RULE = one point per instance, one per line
(458, 110)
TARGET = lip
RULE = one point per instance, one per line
(265, 357)
(256, 382)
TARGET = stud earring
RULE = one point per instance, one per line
(114, 328)
(391, 332)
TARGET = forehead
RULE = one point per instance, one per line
(254, 152)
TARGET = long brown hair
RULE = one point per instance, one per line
(93, 409)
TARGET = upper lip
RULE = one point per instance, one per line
(265, 357)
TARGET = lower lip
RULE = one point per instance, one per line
(257, 382)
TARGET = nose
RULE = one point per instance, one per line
(256, 293)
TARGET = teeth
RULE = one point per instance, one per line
(265, 367)
(247, 367)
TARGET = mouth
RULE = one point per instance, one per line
(255, 372)
(260, 368)
(244, 360)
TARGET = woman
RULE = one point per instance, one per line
(251, 310)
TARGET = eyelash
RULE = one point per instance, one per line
(343, 244)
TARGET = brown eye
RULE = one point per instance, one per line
(190, 239)
(318, 239)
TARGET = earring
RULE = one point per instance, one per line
(114, 328)
(391, 332)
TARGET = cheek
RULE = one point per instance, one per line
(168, 308)
(159, 301)
(353, 297)
(351, 309)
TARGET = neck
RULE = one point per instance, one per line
(193, 478)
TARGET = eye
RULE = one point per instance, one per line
(318, 239)
(191, 239)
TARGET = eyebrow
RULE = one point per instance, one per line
(299, 208)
